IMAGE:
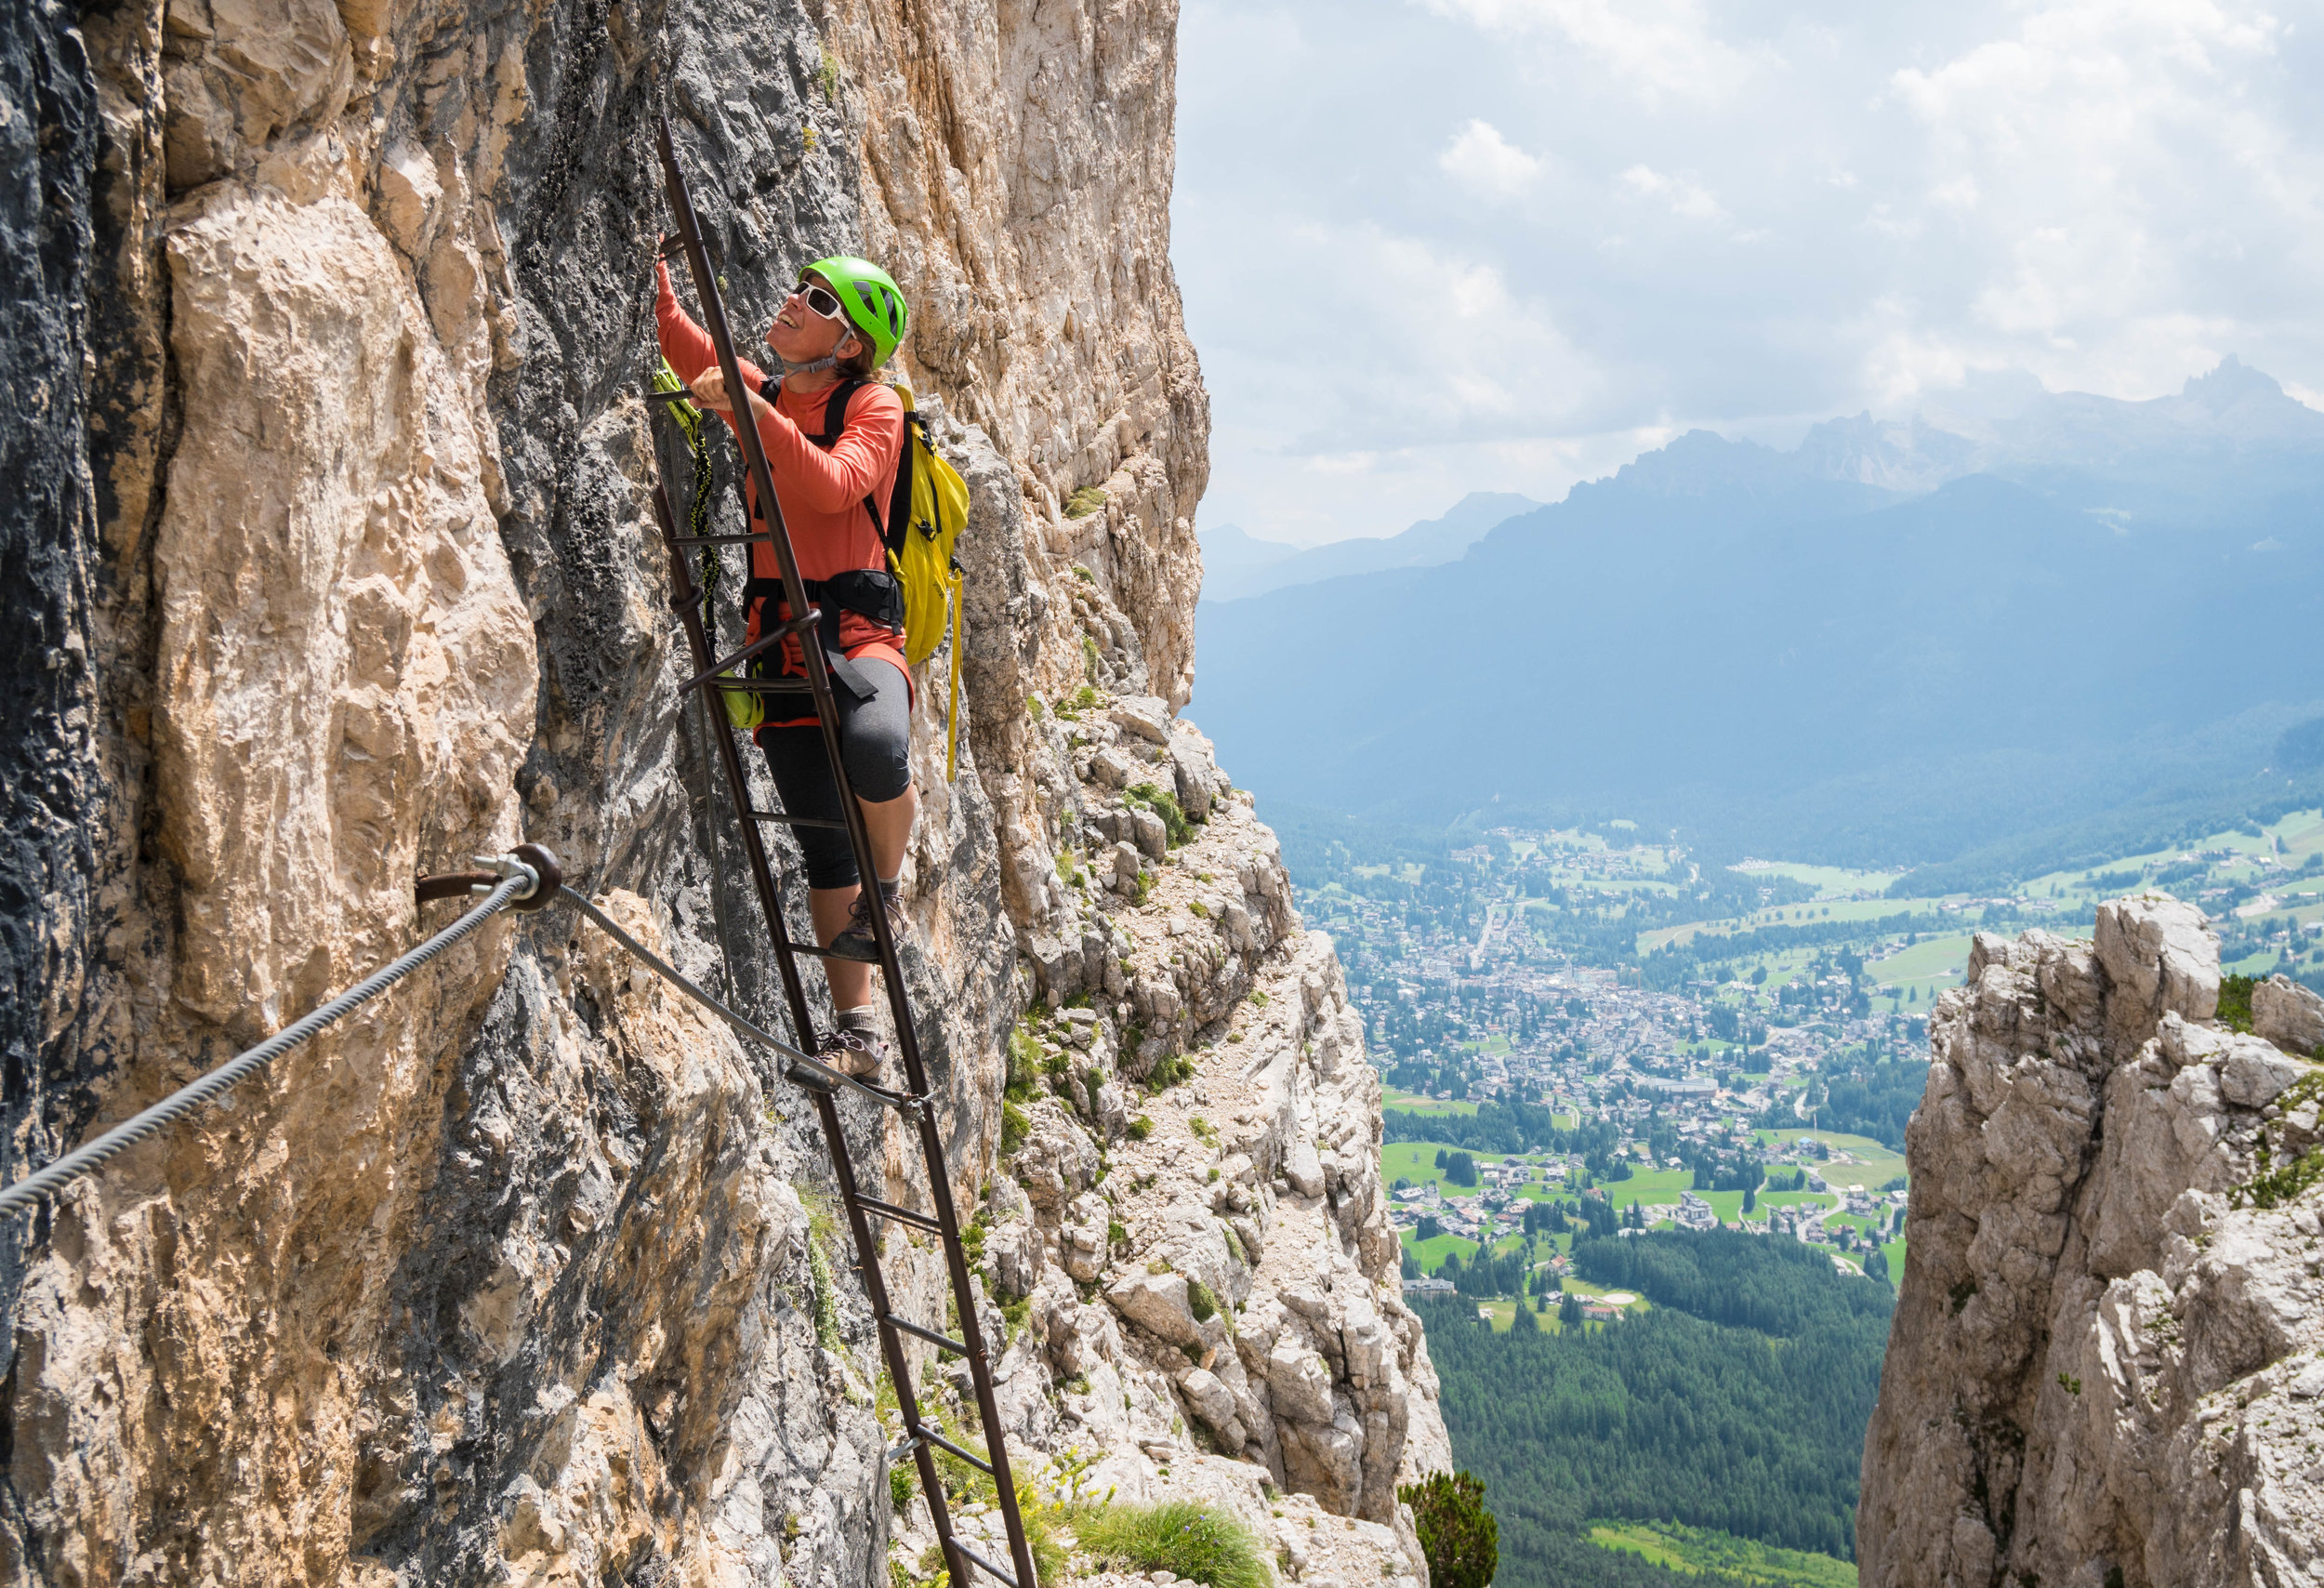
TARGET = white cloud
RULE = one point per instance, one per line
(1504, 238)
(1480, 159)
(1657, 48)
(1686, 198)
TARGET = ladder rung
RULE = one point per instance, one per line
(820, 1077)
(902, 1215)
(933, 1339)
(979, 1560)
(715, 539)
(766, 642)
(797, 821)
(979, 1463)
(762, 685)
(903, 1447)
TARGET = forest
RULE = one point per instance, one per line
(1867, 1095)
(1737, 1401)
(1505, 1128)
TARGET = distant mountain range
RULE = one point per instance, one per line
(2053, 621)
(1235, 563)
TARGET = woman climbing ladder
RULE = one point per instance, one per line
(841, 321)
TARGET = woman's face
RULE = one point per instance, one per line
(801, 336)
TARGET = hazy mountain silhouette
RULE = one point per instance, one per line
(1237, 564)
(1894, 644)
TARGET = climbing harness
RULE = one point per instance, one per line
(912, 1104)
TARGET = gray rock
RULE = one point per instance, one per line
(1153, 839)
(1111, 768)
(2095, 1300)
(2289, 1015)
(1303, 1169)
(1197, 778)
(1157, 1303)
(1082, 1237)
(2255, 1072)
(1212, 1404)
(2159, 959)
(1144, 716)
(1057, 972)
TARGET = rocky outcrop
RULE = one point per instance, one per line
(332, 562)
(2106, 1362)
(1192, 1245)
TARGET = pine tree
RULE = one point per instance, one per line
(1460, 1538)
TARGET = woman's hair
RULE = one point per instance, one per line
(858, 366)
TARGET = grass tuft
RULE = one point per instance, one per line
(1188, 1539)
(1164, 804)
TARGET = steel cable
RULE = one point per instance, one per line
(519, 885)
(668, 973)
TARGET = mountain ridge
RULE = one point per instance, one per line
(1761, 645)
(1248, 565)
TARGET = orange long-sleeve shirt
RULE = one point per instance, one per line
(821, 493)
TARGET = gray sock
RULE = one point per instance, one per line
(890, 888)
(862, 1019)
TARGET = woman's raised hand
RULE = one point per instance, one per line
(709, 389)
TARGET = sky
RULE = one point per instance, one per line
(1435, 246)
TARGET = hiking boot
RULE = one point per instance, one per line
(854, 1051)
(855, 939)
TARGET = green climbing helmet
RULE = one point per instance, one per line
(873, 301)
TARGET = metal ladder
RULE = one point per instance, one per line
(914, 1103)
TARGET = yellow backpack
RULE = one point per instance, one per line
(921, 538)
(926, 513)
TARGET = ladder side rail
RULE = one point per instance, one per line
(686, 597)
(722, 340)
(746, 435)
(714, 321)
(890, 1344)
(972, 1336)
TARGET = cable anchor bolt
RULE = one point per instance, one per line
(534, 863)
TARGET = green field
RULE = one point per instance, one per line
(1796, 915)
(1697, 1550)
(1413, 1103)
(1432, 1251)
(1830, 881)
(1875, 1166)
(1503, 1311)
(1928, 968)
(1416, 1161)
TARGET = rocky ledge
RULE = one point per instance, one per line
(1188, 1246)
(2106, 1367)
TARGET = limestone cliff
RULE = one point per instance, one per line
(2107, 1359)
(330, 563)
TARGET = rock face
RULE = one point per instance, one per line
(2107, 1359)
(331, 561)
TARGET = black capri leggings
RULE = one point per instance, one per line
(875, 737)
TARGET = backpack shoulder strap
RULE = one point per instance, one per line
(898, 525)
(834, 422)
(835, 412)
